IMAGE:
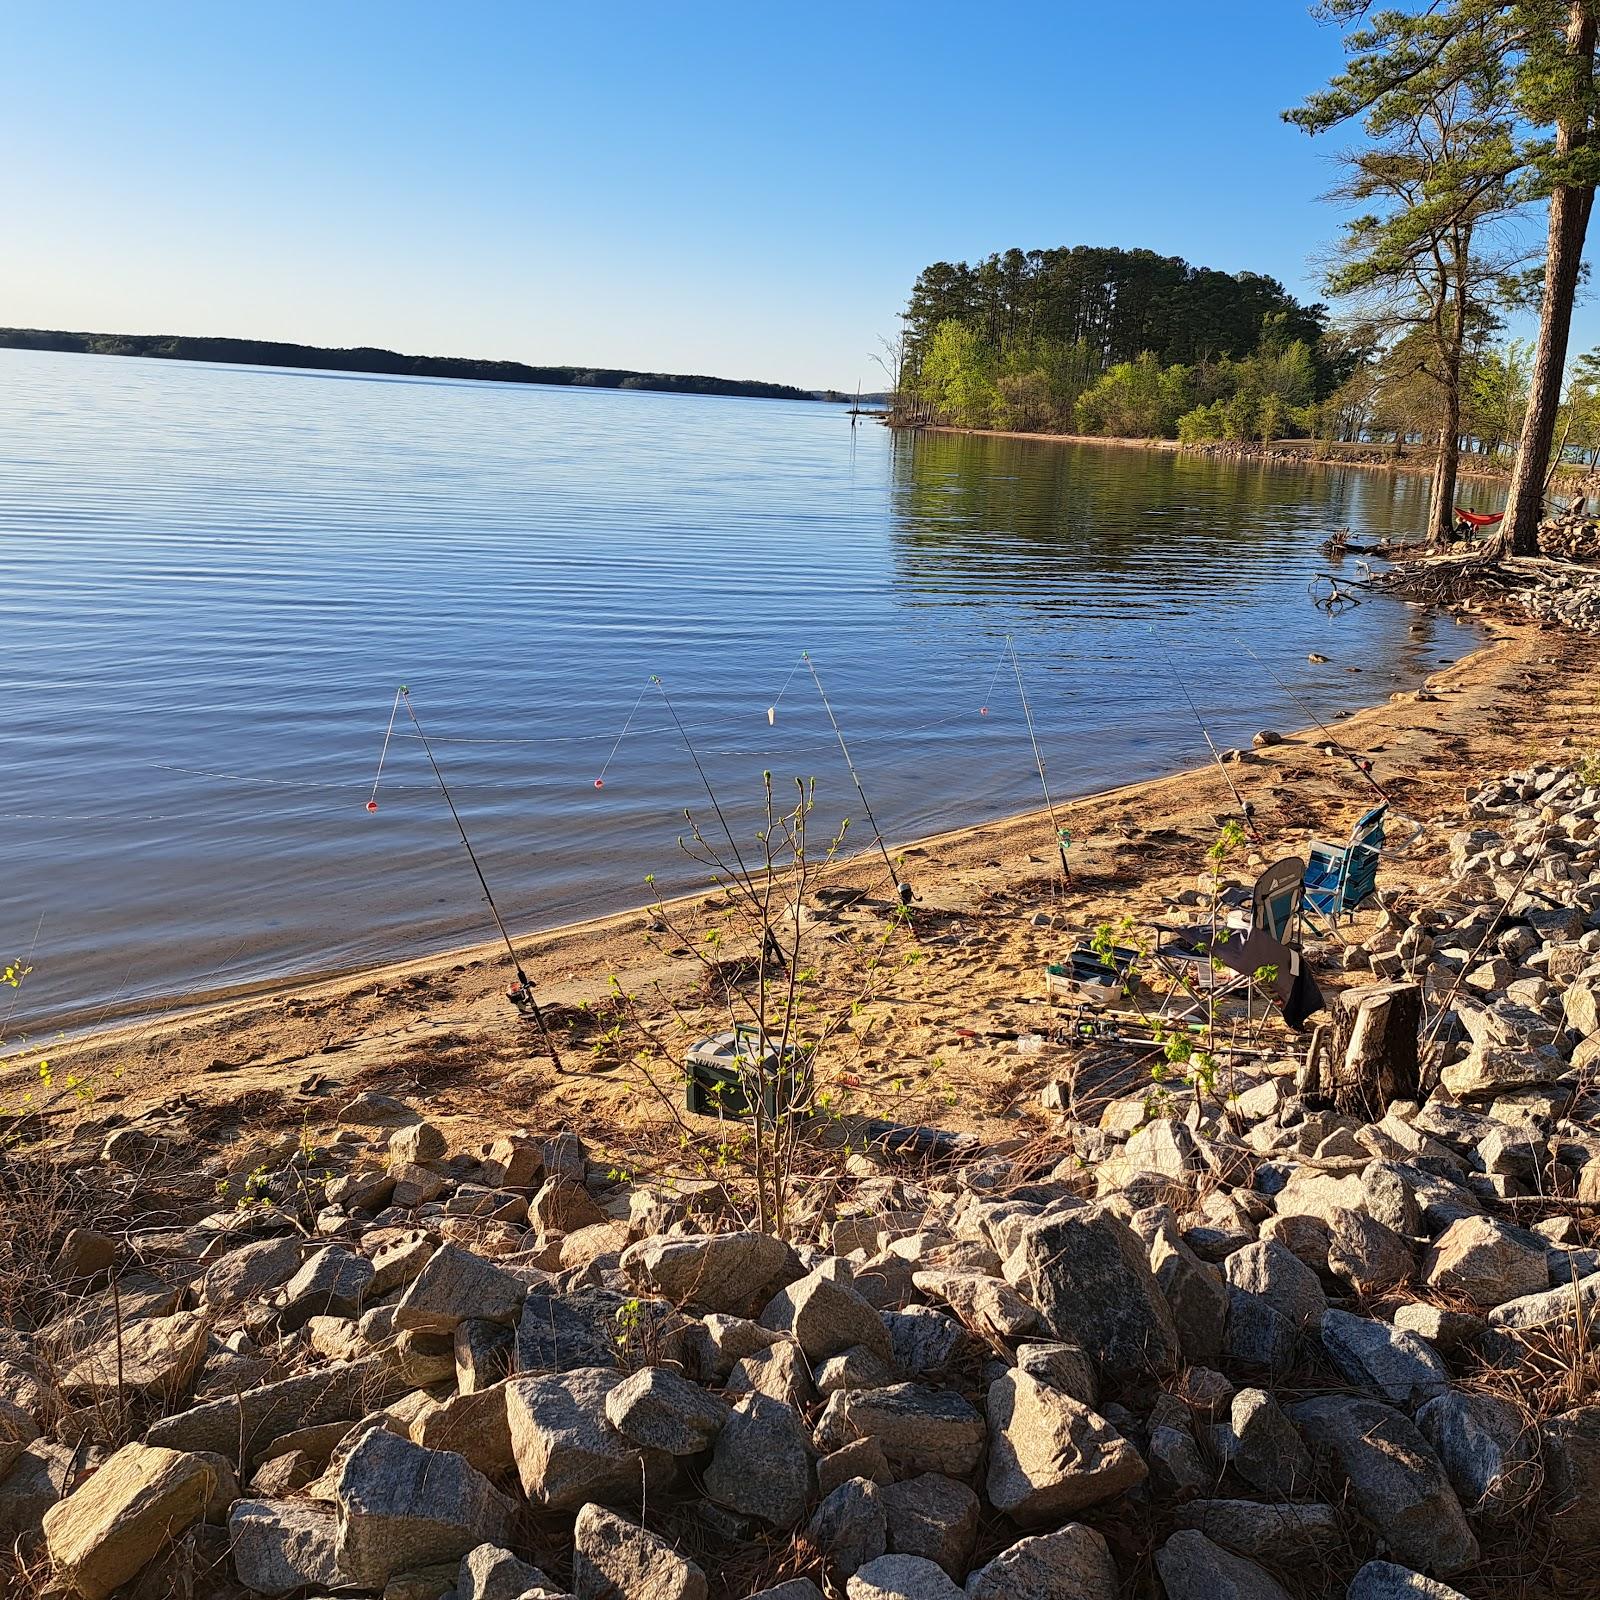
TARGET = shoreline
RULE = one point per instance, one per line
(102, 1022)
(1286, 452)
(991, 913)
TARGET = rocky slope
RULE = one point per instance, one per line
(1227, 1341)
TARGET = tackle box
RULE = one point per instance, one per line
(724, 1070)
(1085, 975)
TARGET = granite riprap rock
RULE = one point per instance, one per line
(1275, 1533)
(934, 1516)
(1383, 1580)
(762, 1465)
(901, 1578)
(567, 1453)
(1257, 1337)
(403, 1507)
(456, 1285)
(614, 1559)
(489, 1572)
(1571, 1447)
(725, 1272)
(37, 1478)
(781, 1372)
(1365, 1254)
(1486, 1262)
(658, 1408)
(1061, 1366)
(986, 1305)
(154, 1356)
(248, 1272)
(1401, 1367)
(850, 1527)
(333, 1283)
(107, 1529)
(1050, 1456)
(1193, 1568)
(919, 1429)
(1273, 1273)
(1487, 1447)
(925, 1342)
(1261, 1445)
(1399, 1483)
(1089, 1275)
(824, 1318)
(1193, 1289)
(565, 1332)
(284, 1546)
(1073, 1563)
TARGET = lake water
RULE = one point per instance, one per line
(215, 578)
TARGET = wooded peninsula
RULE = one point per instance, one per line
(270, 353)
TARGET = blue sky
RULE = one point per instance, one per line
(747, 190)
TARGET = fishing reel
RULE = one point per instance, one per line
(904, 894)
(521, 997)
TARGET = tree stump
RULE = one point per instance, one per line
(1372, 1056)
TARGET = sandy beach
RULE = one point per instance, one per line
(941, 1044)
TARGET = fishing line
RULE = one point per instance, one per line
(902, 890)
(711, 793)
(522, 996)
(600, 781)
(1362, 764)
(1246, 810)
(999, 667)
(388, 734)
(772, 710)
(1038, 757)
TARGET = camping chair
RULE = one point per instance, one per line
(1341, 876)
(1273, 914)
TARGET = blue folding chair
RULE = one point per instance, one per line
(1340, 877)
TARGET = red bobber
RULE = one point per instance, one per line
(372, 805)
(599, 783)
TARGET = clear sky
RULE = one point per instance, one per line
(741, 189)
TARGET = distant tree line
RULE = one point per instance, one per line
(268, 353)
(1111, 341)
(1115, 342)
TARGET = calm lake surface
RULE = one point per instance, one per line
(215, 578)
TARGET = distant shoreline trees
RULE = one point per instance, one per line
(308, 357)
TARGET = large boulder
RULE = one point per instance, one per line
(567, 1453)
(155, 1355)
(1399, 1483)
(613, 1559)
(1383, 1580)
(402, 1507)
(248, 1272)
(1050, 1456)
(490, 1572)
(1273, 1273)
(142, 1497)
(333, 1283)
(1089, 1275)
(1276, 1533)
(1261, 1445)
(568, 1332)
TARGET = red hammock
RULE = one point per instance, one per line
(1480, 519)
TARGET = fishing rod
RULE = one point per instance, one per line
(902, 889)
(522, 996)
(1362, 764)
(1247, 811)
(1038, 758)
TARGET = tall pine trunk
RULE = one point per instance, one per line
(1441, 506)
(1569, 223)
